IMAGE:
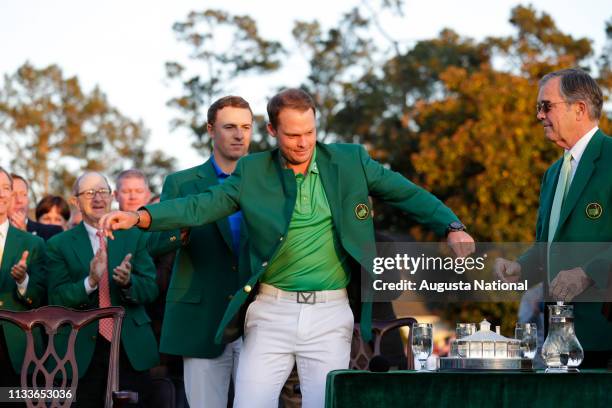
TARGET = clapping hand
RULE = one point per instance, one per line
(19, 270)
(122, 273)
(98, 264)
(18, 220)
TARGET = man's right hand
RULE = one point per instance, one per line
(116, 220)
(97, 266)
(507, 271)
(18, 220)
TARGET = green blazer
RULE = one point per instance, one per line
(69, 255)
(266, 193)
(592, 184)
(205, 274)
(18, 241)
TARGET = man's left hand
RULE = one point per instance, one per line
(569, 283)
(122, 273)
(18, 220)
(19, 270)
(461, 243)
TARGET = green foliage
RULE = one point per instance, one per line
(223, 47)
(453, 114)
(53, 130)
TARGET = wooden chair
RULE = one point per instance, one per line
(51, 318)
(362, 353)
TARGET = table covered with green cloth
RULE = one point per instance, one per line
(355, 389)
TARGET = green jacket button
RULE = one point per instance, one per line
(247, 288)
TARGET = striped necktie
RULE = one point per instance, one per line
(106, 325)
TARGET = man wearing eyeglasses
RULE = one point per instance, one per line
(575, 206)
(86, 272)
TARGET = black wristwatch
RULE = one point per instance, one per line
(454, 227)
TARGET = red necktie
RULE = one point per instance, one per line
(106, 325)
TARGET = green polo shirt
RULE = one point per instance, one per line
(311, 258)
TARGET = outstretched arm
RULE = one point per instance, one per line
(217, 202)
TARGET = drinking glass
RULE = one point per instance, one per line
(527, 334)
(422, 342)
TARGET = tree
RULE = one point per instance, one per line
(53, 130)
(223, 47)
(453, 114)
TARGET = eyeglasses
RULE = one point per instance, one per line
(546, 106)
(90, 194)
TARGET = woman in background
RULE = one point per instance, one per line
(53, 210)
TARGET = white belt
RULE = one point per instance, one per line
(308, 296)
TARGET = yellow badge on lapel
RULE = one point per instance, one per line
(594, 210)
(362, 211)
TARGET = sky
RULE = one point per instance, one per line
(122, 46)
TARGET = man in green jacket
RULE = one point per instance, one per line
(575, 203)
(21, 283)
(205, 274)
(305, 205)
(86, 272)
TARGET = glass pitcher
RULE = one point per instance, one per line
(561, 351)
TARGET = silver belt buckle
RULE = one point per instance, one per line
(308, 297)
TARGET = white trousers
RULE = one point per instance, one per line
(207, 379)
(280, 332)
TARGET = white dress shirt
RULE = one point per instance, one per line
(578, 149)
(94, 240)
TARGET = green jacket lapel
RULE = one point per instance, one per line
(10, 257)
(206, 178)
(11, 253)
(328, 170)
(81, 246)
(289, 186)
(582, 176)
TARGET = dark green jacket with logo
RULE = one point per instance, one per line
(585, 219)
(266, 194)
(205, 275)
(69, 255)
(18, 241)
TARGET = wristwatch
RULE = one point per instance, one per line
(454, 227)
